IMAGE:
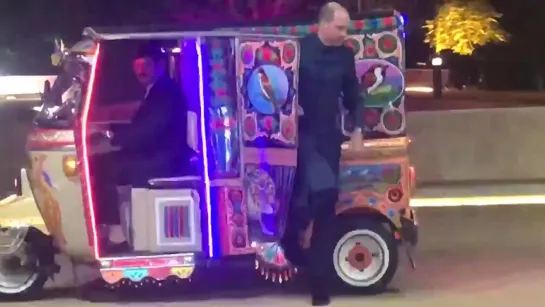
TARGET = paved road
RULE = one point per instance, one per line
(444, 279)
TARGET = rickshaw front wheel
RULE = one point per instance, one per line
(365, 256)
(20, 275)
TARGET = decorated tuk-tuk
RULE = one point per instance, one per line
(241, 87)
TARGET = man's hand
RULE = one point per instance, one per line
(306, 236)
(300, 111)
(102, 147)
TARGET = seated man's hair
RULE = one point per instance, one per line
(150, 50)
(327, 11)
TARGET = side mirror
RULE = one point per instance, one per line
(47, 87)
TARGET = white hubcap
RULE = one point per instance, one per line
(361, 258)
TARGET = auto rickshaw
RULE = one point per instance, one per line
(241, 86)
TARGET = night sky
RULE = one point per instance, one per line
(27, 29)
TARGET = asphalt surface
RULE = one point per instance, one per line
(449, 278)
(479, 256)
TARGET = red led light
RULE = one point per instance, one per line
(87, 186)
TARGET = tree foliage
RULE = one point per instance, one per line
(462, 26)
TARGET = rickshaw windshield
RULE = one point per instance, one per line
(115, 82)
(62, 83)
(61, 104)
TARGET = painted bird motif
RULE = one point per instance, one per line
(373, 78)
(266, 86)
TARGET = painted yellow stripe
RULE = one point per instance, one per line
(30, 221)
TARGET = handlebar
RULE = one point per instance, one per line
(96, 137)
(356, 139)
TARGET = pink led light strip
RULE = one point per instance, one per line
(198, 46)
(85, 152)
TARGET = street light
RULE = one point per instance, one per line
(437, 63)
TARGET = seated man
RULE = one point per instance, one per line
(157, 135)
(153, 145)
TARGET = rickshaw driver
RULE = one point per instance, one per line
(326, 71)
(153, 145)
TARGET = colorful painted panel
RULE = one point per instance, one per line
(237, 217)
(267, 88)
(233, 221)
(379, 64)
(136, 277)
(140, 269)
(378, 177)
(371, 25)
(378, 45)
(219, 77)
(378, 186)
(268, 193)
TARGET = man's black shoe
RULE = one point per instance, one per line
(293, 251)
(321, 300)
(117, 248)
(319, 292)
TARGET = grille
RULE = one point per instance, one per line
(175, 222)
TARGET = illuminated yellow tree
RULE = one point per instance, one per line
(462, 26)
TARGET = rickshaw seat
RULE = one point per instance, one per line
(171, 183)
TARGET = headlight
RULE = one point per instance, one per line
(70, 166)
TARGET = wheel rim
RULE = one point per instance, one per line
(16, 280)
(361, 258)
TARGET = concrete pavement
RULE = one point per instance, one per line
(449, 279)
(480, 256)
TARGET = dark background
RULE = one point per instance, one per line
(28, 27)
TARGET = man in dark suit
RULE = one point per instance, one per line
(156, 139)
(153, 145)
(326, 71)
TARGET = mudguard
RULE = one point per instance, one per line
(11, 239)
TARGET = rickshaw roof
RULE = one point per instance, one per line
(239, 24)
(93, 34)
(173, 31)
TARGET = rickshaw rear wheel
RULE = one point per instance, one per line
(365, 256)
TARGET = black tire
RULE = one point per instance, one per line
(388, 254)
(31, 290)
(38, 248)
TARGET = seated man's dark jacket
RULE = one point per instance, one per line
(154, 145)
